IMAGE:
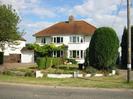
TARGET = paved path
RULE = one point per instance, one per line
(41, 92)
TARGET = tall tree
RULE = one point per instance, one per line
(124, 45)
(8, 25)
(103, 49)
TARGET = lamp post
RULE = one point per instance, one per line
(129, 42)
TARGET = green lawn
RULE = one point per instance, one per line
(95, 82)
(92, 82)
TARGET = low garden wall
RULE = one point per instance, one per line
(75, 75)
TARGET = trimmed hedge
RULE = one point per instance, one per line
(41, 63)
(1, 57)
(45, 62)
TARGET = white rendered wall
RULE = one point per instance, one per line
(71, 46)
(14, 48)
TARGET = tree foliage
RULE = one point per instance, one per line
(47, 49)
(124, 45)
(8, 25)
(103, 49)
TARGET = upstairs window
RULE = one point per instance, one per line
(76, 39)
(58, 39)
(43, 40)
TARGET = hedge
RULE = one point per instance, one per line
(45, 62)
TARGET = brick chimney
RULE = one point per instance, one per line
(71, 18)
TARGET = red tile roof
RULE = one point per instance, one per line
(68, 28)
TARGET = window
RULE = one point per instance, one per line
(76, 54)
(71, 54)
(76, 39)
(58, 39)
(61, 39)
(43, 40)
(57, 53)
(54, 39)
(81, 54)
(70, 38)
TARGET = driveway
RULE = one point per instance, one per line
(15, 65)
(16, 91)
(124, 74)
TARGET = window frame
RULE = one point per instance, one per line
(76, 54)
(58, 39)
(43, 40)
(76, 39)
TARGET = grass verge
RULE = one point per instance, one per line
(93, 82)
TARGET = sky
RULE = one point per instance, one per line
(36, 15)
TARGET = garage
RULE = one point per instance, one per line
(12, 58)
(27, 56)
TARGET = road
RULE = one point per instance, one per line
(17, 91)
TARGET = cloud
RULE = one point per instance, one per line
(104, 13)
(33, 27)
(37, 14)
(92, 7)
(30, 7)
(43, 12)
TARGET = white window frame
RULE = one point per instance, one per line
(43, 40)
(77, 39)
(79, 54)
(55, 54)
(55, 38)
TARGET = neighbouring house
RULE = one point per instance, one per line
(16, 53)
(75, 34)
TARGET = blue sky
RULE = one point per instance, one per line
(39, 14)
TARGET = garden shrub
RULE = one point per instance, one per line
(41, 63)
(48, 62)
(29, 74)
(1, 57)
(103, 49)
(91, 70)
(73, 61)
(7, 72)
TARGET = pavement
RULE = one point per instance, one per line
(21, 91)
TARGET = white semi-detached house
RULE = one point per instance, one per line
(76, 34)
